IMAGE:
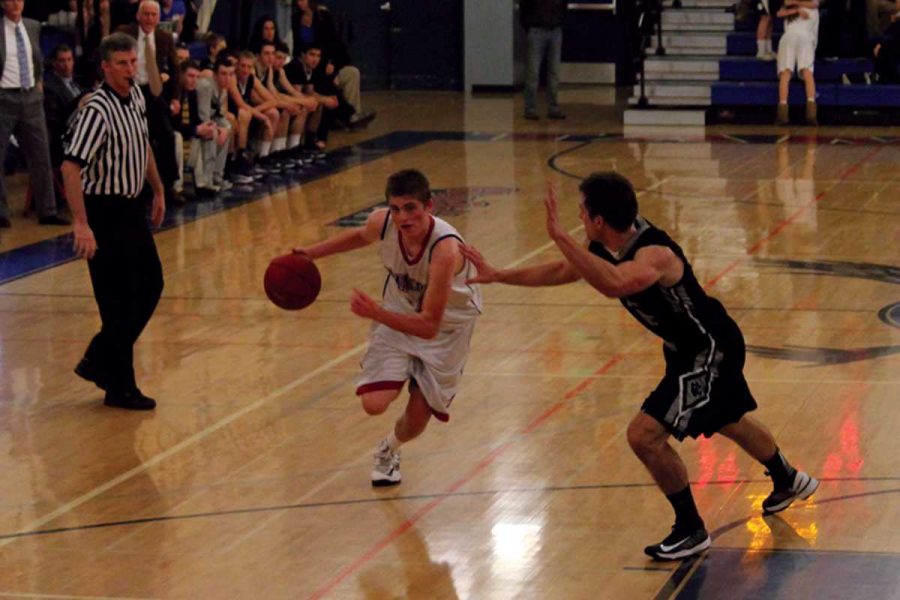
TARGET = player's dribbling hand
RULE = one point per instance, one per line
(85, 245)
(554, 229)
(363, 305)
(486, 273)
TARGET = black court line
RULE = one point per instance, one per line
(614, 307)
(680, 576)
(551, 162)
(400, 498)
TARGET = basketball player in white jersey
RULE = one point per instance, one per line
(423, 326)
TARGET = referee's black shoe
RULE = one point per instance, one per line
(681, 543)
(130, 400)
(89, 371)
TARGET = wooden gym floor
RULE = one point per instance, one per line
(250, 480)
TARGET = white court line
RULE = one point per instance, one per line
(65, 597)
(205, 433)
(200, 435)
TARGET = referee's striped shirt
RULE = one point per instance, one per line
(109, 140)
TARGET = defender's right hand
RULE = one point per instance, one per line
(486, 273)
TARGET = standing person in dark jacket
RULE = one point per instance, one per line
(543, 20)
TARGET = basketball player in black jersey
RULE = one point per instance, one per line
(703, 390)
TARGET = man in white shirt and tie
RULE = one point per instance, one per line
(22, 109)
(157, 74)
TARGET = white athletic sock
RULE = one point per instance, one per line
(769, 46)
(264, 148)
(392, 441)
(279, 144)
(760, 47)
(293, 140)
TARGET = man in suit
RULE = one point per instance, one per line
(21, 108)
(61, 96)
(157, 74)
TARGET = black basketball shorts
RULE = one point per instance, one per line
(701, 391)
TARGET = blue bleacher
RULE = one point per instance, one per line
(752, 69)
(745, 81)
(764, 93)
(743, 43)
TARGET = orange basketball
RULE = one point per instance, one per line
(292, 281)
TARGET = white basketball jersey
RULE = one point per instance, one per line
(806, 27)
(407, 278)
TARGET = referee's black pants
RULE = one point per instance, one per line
(127, 278)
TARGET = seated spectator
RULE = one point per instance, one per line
(61, 97)
(215, 44)
(313, 23)
(172, 11)
(203, 122)
(292, 108)
(305, 76)
(264, 30)
(288, 91)
(238, 162)
(182, 53)
(250, 94)
(797, 51)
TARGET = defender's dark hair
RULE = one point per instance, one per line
(611, 196)
(409, 182)
(116, 42)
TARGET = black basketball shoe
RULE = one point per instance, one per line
(681, 543)
(802, 486)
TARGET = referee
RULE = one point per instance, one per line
(107, 159)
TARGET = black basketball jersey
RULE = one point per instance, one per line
(247, 92)
(683, 315)
(276, 77)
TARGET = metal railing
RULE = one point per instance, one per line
(649, 20)
(605, 5)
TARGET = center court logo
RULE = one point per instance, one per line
(890, 314)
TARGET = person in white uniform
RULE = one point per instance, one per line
(423, 326)
(797, 51)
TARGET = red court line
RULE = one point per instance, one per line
(779, 227)
(544, 416)
(478, 468)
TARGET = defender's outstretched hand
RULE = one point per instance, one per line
(486, 273)
(554, 229)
